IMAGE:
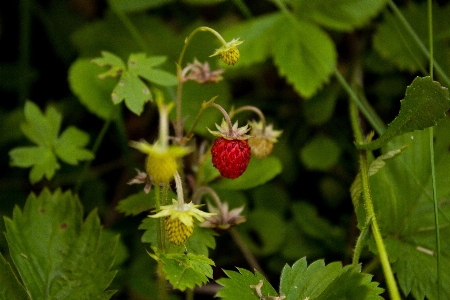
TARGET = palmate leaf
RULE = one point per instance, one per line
(316, 281)
(130, 87)
(57, 254)
(186, 270)
(425, 102)
(43, 129)
(403, 201)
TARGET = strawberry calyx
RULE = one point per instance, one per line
(231, 133)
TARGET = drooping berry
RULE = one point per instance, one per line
(262, 139)
(230, 157)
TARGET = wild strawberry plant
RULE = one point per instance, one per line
(217, 175)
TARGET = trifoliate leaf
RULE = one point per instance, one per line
(402, 195)
(425, 102)
(343, 15)
(56, 253)
(131, 88)
(318, 281)
(304, 53)
(10, 289)
(94, 93)
(258, 172)
(244, 285)
(43, 129)
(186, 270)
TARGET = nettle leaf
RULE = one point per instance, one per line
(258, 172)
(186, 270)
(305, 54)
(244, 285)
(343, 15)
(10, 289)
(56, 253)
(403, 202)
(131, 88)
(332, 281)
(43, 130)
(94, 93)
(425, 102)
(393, 42)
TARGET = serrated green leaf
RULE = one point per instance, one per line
(425, 102)
(10, 287)
(115, 64)
(343, 15)
(57, 254)
(320, 153)
(258, 37)
(403, 202)
(305, 54)
(318, 281)
(242, 285)
(149, 225)
(258, 172)
(93, 93)
(186, 270)
(69, 146)
(40, 128)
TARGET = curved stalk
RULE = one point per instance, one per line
(254, 109)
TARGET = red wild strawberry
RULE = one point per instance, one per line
(230, 157)
(231, 151)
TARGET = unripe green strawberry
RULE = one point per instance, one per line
(230, 157)
(262, 139)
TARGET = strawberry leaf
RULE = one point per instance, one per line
(426, 101)
(10, 289)
(305, 54)
(43, 129)
(137, 203)
(243, 285)
(186, 270)
(56, 253)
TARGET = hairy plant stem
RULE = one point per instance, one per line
(162, 290)
(433, 172)
(178, 121)
(254, 109)
(370, 212)
(159, 224)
